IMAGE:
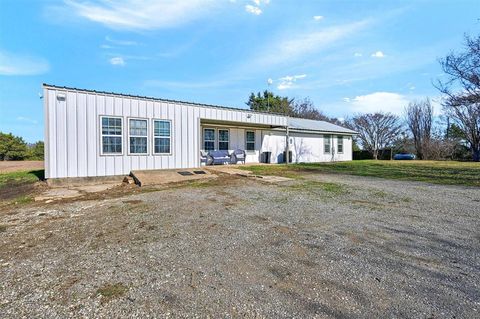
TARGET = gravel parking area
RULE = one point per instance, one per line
(328, 246)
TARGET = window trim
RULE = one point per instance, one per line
(101, 135)
(329, 143)
(170, 137)
(214, 138)
(218, 138)
(340, 138)
(246, 141)
(129, 135)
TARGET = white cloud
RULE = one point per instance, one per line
(117, 61)
(317, 18)
(17, 64)
(357, 54)
(300, 43)
(378, 102)
(288, 82)
(378, 54)
(140, 14)
(26, 119)
(253, 9)
(120, 42)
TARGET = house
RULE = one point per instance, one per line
(91, 133)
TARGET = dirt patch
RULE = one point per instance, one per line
(16, 166)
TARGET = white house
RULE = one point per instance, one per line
(91, 133)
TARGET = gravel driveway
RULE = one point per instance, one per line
(329, 246)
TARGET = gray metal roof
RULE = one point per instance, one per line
(317, 126)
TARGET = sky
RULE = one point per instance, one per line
(346, 56)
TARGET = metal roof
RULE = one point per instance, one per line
(312, 125)
(293, 123)
(156, 99)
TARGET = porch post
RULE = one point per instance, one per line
(287, 148)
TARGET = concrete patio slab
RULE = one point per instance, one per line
(159, 177)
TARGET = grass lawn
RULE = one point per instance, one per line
(438, 172)
(19, 178)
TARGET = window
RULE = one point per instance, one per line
(250, 141)
(161, 137)
(326, 144)
(223, 140)
(209, 139)
(340, 144)
(111, 135)
(138, 136)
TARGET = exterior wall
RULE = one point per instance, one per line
(72, 132)
(305, 147)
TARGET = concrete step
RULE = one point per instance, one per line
(164, 176)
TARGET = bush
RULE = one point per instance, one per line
(12, 147)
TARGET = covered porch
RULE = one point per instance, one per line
(256, 140)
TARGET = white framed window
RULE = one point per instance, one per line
(250, 140)
(138, 136)
(162, 137)
(340, 144)
(111, 135)
(209, 139)
(327, 146)
(223, 139)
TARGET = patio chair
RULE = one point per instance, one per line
(204, 158)
(238, 155)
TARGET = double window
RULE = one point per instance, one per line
(111, 135)
(138, 136)
(340, 144)
(162, 137)
(211, 136)
(327, 146)
(250, 141)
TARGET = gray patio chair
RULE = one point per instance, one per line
(204, 157)
(238, 155)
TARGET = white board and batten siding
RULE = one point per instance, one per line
(73, 131)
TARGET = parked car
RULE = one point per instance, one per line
(404, 156)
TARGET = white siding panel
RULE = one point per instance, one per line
(92, 136)
(101, 160)
(51, 148)
(61, 137)
(71, 134)
(82, 138)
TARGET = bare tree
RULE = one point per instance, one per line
(376, 131)
(306, 109)
(462, 91)
(419, 118)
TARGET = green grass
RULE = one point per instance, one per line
(313, 186)
(110, 291)
(438, 172)
(19, 178)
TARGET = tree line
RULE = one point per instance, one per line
(14, 148)
(457, 136)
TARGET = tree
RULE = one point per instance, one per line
(419, 118)
(269, 102)
(376, 131)
(36, 151)
(461, 89)
(12, 147)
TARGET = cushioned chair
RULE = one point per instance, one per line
(238, 155)
(218, 157)
(204, 157)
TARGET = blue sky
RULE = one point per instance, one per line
(347, 56)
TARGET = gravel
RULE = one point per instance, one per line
(329, 246)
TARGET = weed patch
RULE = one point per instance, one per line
(110, 291)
